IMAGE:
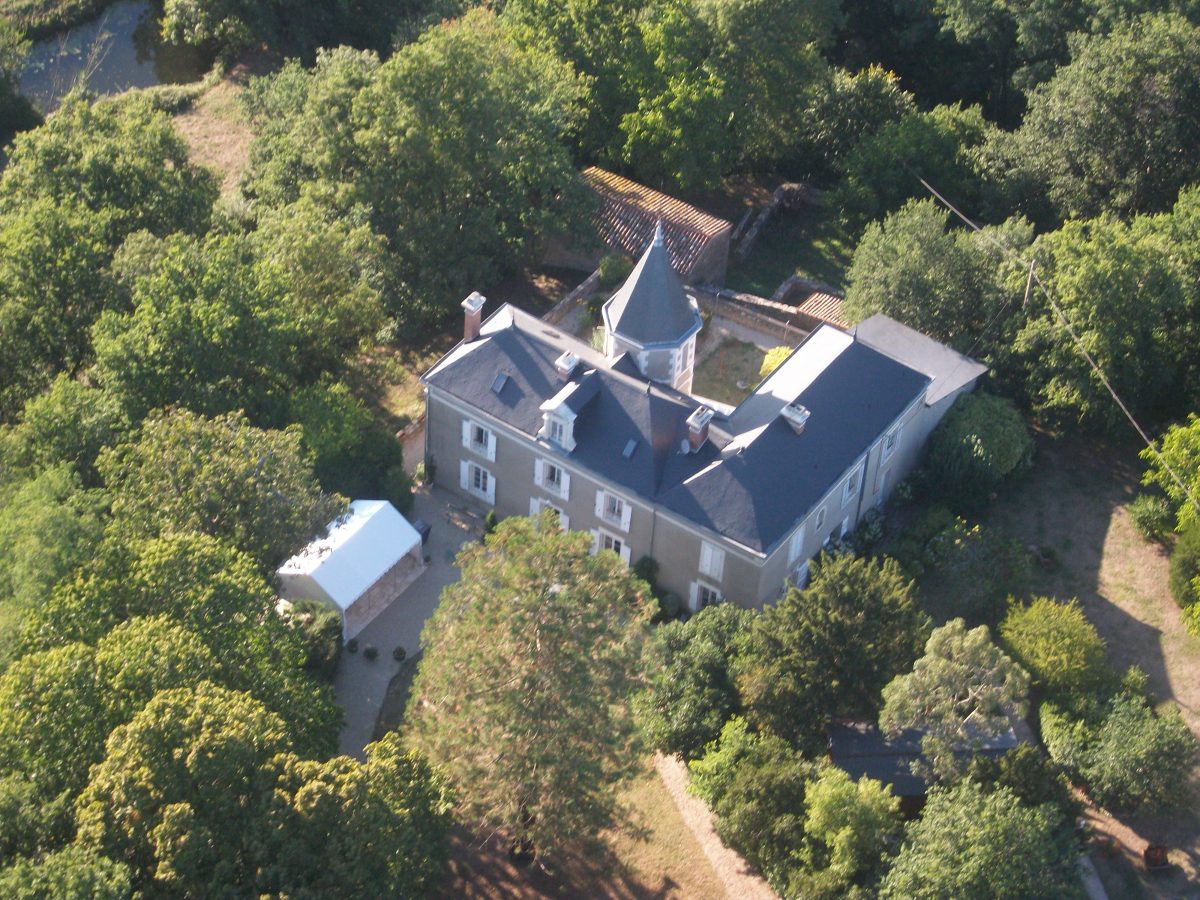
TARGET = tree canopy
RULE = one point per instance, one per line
(522, 692)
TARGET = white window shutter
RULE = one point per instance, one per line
(626, 515)
(565, 491)
(464, 474)
(625, 552)
(693, 596)
(564, 521)
(467, 433)
(599, 504)
(534, 506)
(538, 472)
(595, 541)
(705, 556)
(718, 563)
(491, 445)
(491, 490)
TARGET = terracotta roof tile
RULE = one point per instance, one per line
(825, 308)
(629, 211)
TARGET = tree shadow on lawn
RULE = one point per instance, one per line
(480, 867)
(1068, 503)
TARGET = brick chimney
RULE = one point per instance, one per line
(473, 316)
(697, 425)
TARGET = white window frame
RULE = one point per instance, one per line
(471, 474)
(623, 511)
(486, 449)
(852, 485)
(538, 505)
(891, 442)
(541, 471)
(616, 542)
(712, 561)
(696, 593)
(821, 514)
(557, 431)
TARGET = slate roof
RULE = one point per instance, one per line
(753, 479)
(860, 748)
(757, 493)
(612, 408)
(650, 307)
(629, 211)
(947, 369)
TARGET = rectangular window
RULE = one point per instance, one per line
(796, 547)
(703, 595)
(537, 506)
(557, 431)
(477, 480)
(890, 442)
(820, 518)
(603, 540)
(613, 509)
(552, 477)
(712, 561)
(853, 483)
(479, 440)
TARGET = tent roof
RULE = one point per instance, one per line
(359, 547)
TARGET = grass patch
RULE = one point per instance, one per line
(811, 243)
(730, 372)
(655, 857)
(37, 18)
(218, 133)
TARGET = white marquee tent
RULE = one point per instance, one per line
(367, 559)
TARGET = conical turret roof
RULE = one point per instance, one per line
(651, 307)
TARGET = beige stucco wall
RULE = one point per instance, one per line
(749, 579)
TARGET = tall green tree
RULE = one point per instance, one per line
(961, 692)
(248, 486)
(981, 441)
(969, 843)
(347, 828)
(1179, 448)
(522, 692)
(1060, 649)
(67, 873)
(1113, 129)
(692, 694)
(953, 285)
(829, 650)
(182, 792)
(122, 160)
(216, 593)
(1129, 300)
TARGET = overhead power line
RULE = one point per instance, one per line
(1066, 323)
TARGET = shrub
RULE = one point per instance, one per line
(1058, 646)
(646, 569)
(1066, 737)
(399, 653)
(320, 626)
(1152, 516)
(614, 269)
(869, 532)
(352, 645)
(371, 651)
(490, 522)
(980, 442)
(970, 571)
(1139, 759)
(773, 360)
(1185, 566)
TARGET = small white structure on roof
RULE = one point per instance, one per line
(367, 559)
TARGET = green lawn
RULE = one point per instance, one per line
(730, 372)
(811, 243)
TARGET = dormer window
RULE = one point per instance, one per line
(557, 431)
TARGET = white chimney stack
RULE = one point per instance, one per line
(565, 364)
(796, 415)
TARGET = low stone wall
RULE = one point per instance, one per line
(566, 305)
(762, 315)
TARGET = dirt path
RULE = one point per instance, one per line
(740, 883)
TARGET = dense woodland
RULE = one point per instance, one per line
(182, 404)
